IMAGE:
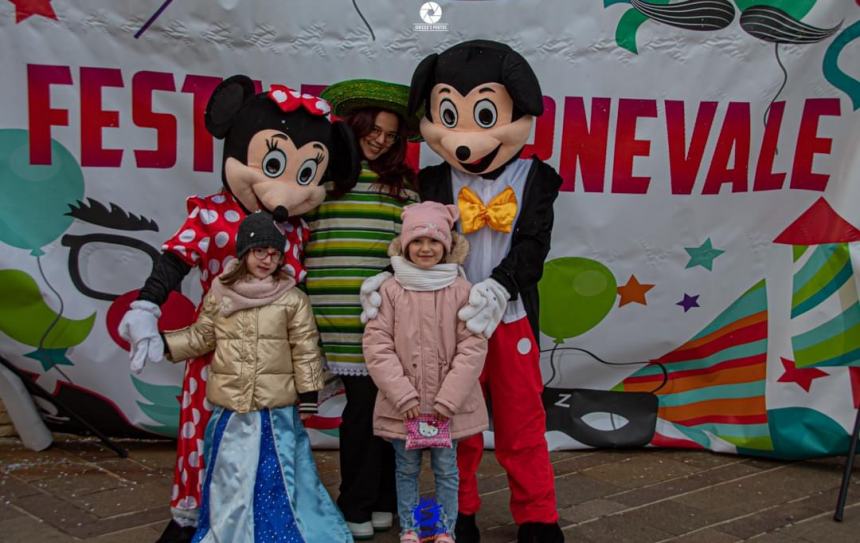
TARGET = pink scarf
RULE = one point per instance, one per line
(248, 292)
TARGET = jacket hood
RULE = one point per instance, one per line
(457, 255)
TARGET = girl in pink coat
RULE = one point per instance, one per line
(423, 359)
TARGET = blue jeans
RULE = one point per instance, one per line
(407, 469)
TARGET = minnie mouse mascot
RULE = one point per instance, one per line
(480, 99)
(279, 148)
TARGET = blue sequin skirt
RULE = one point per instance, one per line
(261, 483)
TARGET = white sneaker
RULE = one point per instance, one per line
(360, 530)
(382, 521)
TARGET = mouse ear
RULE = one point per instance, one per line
(226, 100)
(422, 82)
(522, 84)
(344, 161)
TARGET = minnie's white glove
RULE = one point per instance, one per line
(139, 326)
(369, 296)
(487, 302)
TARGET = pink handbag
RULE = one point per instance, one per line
(427, 431)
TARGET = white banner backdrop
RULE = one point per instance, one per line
(705, 242)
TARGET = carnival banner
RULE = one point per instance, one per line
(702, 287)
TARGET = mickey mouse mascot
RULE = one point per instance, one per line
(279, 147)
(480, 99)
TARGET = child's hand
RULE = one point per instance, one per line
(305, 416)
(439, 415)
(411, 413)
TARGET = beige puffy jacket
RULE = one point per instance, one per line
(264, 356)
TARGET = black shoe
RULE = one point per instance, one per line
(174, 533)
(536, 532)
(466, 530)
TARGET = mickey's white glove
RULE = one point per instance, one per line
(487, 302)
(369, 296)
(139, 326)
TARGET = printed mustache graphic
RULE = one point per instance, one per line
(776, 26)
(690, 15)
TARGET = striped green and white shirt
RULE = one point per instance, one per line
(349, 243)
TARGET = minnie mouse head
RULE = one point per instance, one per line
(480, 98)
(280, 147)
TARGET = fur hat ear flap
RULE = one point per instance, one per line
(344, 161)
(422, 82)
(226, 101)
(522, 84)
(459, 249)
(395, 248)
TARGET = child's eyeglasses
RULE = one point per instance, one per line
(390, 137)
(261, 253)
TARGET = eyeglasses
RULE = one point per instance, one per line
(390, 137)
(261, 253)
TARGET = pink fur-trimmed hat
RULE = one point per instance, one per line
(430, 219)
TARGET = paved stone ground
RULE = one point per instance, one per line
(80, 491)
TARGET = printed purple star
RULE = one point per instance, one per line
(689, 302)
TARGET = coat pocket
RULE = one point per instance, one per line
(385, 409)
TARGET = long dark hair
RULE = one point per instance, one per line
(391, 166)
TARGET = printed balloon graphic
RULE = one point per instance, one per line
(576, 294)
(24, 315)
(35, 198)
(26, 318)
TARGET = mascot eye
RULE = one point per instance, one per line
(448, 113)
(307, 171)
(274, 163)
(485, 114)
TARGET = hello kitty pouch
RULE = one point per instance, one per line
(427, 431)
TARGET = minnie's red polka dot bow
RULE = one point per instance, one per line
(290, 100)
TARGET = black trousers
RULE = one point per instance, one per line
(366, 461)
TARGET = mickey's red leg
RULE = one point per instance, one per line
(515, 385)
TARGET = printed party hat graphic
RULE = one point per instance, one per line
(714, 395)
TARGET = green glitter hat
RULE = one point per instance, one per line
(353, 94)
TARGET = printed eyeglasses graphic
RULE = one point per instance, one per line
(110, 247)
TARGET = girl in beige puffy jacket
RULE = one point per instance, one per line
(423, 359)
(260, 480)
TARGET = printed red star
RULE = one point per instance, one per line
(633, 291)
(802, 376)
(27, 8)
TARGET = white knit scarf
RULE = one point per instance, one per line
(411, 277)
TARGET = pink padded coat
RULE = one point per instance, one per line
(420, 354)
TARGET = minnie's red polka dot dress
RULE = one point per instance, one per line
(207, 240)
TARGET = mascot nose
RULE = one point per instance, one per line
(280, 214)
(463, 153)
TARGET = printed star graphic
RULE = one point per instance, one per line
(703, 255)
(803, 377)
(689, 302)
(50, 358)
(27, 8)
(633, 291)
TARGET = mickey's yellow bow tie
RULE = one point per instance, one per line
(499, 214)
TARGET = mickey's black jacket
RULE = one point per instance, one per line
(521, 269)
